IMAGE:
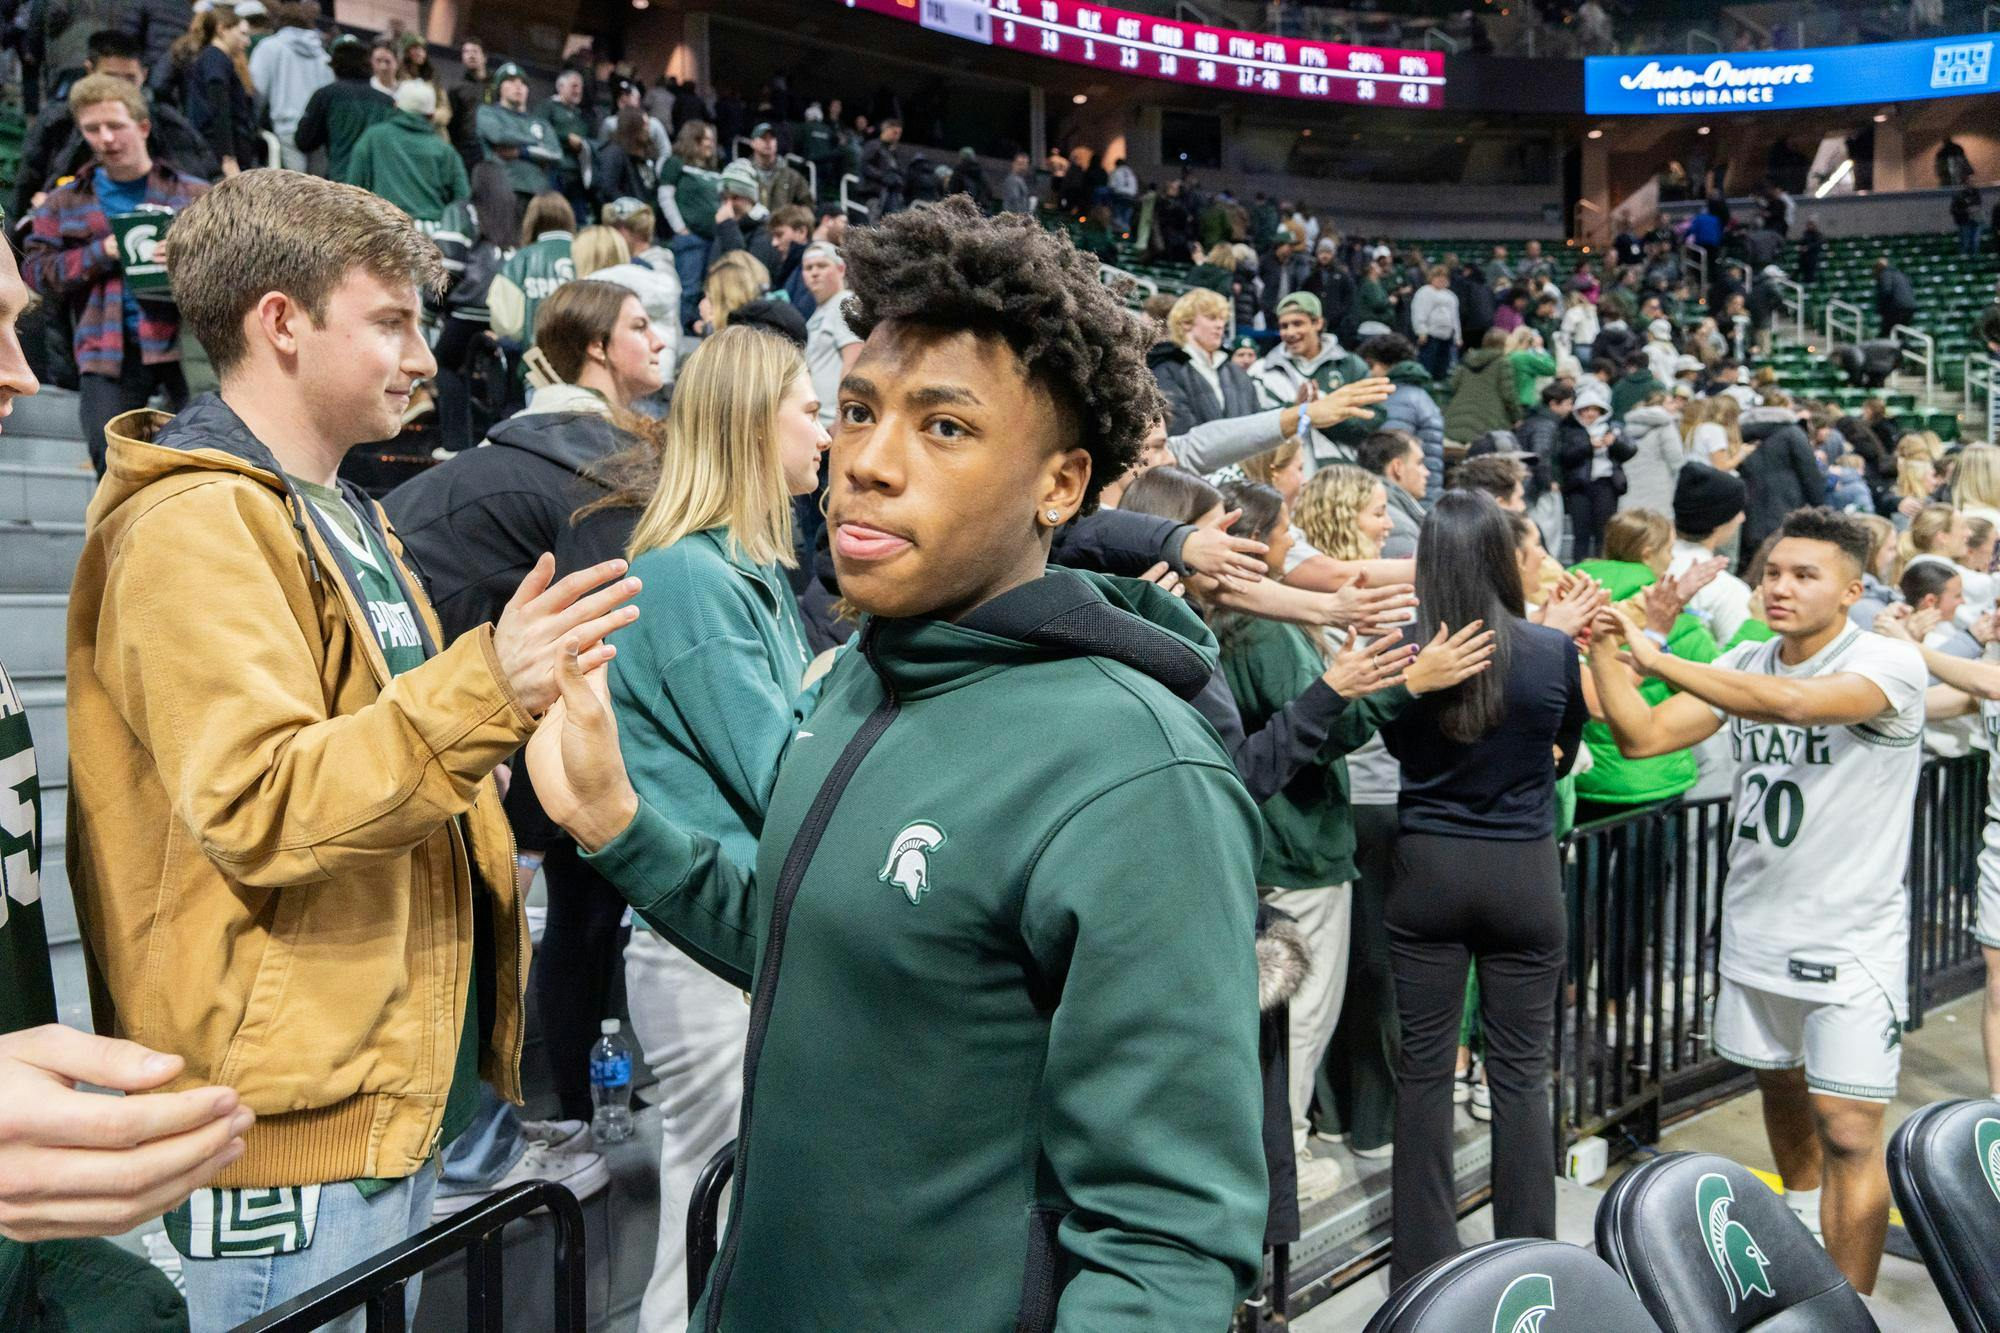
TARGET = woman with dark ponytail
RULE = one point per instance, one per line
(1477, 881)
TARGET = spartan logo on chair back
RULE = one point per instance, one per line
(1529, 1299)
(909, 864)
(1986, 1140)
(1737, 1257)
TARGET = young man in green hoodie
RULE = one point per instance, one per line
(1002, 1056)
(403, 159)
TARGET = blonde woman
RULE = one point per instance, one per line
(1878, 578)
(1975, 486)
(596, 248)
(1916, 481)
(734, 281)
(1200, 381)
(1938, 532)
(1711, 428)
(703, 687)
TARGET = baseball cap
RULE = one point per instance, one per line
(250, 9)
(1684, 363)
(822, 250)
(1241, 341)
(762, 128)
(740, 178)
(1303, 302)
(510, 70)
(622, 209)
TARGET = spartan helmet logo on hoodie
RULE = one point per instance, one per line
(909, 865)
(1528, 1300)
(1734, 1251)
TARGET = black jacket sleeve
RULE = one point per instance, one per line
(1113, 541)
(1287, 742)
(205, 98)
(311, 133)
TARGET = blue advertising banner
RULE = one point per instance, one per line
(1786, 80)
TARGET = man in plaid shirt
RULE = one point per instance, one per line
(125, 350)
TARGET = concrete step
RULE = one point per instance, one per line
(32, 626)
(39, 557)
(50, 413)
(54, 450)
(33, 492)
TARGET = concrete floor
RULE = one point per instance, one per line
(1942, 1059)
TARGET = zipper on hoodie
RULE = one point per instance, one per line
(797, 861)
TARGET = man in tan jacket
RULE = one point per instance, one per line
(289, 858)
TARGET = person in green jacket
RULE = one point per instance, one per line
(1532, 366)
(1483, 392)
(337, 113)
(1637, 546)
(526, 144)
(406, 161)
(532, 273)
(704, 688)
(1371, 297)
(1002, 1053)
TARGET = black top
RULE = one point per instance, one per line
(1503, 785)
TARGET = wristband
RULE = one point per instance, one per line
(1656, 637)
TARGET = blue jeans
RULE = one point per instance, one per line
(474, 1161)
(1968, 239)
(691, 264)
(222, 1293)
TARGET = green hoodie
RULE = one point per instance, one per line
(1003, 1031)
(704, 686)
(406, 161)
(1613, 778)
(1628, 392)
(1483, 396)
(1308, 825)
(1530, 366)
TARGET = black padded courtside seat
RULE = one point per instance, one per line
(1515, 1286)
(1944, 1167)
(1711, 1249)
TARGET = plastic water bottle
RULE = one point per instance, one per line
(610, 1086)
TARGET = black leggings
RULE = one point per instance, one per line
(1497, 905)
(1590, 507)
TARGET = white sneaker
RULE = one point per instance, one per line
(1482, 1101)
(1379, 1154)
(1461, 1086)
(582, 1173)
(560, 1135)
(1319, 1177)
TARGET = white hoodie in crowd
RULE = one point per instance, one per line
(288, 67)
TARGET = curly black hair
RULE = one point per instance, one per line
(947, 265)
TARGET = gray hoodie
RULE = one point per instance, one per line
(1651, 472)
(288, 67)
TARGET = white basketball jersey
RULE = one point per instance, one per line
(1815, 905)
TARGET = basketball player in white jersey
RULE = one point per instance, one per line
(1969, 686)
(1825, 723)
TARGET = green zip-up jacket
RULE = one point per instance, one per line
(529, 277)
(704, 686)
(406, 161)
(1308, 825)
(1613, 778)
(1002, 1062)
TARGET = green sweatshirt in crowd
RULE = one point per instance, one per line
(1613, 778)
(1002, 1063)
(1308, 825)
(406, 161)
(705, 686)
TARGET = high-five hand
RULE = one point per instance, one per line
(539, 618)
(1360, 669)
(573, 757)
(1449, 659)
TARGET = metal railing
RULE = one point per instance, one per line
(806, 167)
(1645, 914)
(1923, 354)
(704, 1219)
(850, 206)
(1979, 368)
(1700, 39)
(1794, 295)
(1437, 39)
(379, 1282)
(1695, 256)
(1112, 276)
(1839, 314)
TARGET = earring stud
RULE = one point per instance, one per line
(1055, 515)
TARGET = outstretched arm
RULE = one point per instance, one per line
(1641, 730)
(1838, 700)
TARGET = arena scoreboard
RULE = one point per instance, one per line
(1149, 47)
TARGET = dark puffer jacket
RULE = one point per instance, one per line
(1190, 402)
(1780, 474)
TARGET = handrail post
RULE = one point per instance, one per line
(1698, 252)
(1925, 357)
(1838, 313)
(1796, 302)
(849, 207)
(812, 174)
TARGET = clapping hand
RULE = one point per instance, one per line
(1578, 599)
